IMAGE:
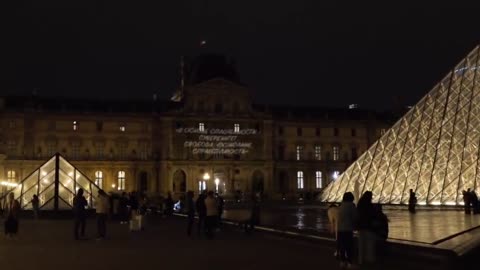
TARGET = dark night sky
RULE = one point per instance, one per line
(326, 53)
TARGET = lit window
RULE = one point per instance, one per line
(75, 125)
(202, 185)
(201, 127)
(318, 179)
(11, 177)
(299, 152)
(336, 153)
(335, 175)
(236, 128)
(121, 180)
(382, 131)
(318, 152)
(99, 179)
(300, 180)
(122, 128)
(75, 150)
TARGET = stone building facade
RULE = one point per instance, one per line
(214, 138)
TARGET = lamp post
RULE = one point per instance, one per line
(217, 182)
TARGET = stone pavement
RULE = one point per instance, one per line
(48, 244)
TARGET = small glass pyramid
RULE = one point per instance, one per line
(55, 183)
(434, 149)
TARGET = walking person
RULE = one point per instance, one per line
(11, 209)
(35, 206)
(346, 218)
(212, 215)
(123, 208)
(190, 206)
(332, 214)
(221, 205)
(201, 211)
(102, 209)
(467, 201)
(80, 214)
(254, 215)
(366, 231)
(412, 202)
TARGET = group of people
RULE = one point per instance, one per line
(470, 200)
(209, 208)
(367, 219)
(80, 205)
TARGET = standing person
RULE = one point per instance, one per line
(412, 202)
(169, 205)
(254, 215)
(381, 230)
(366, 232)
(202, 212)
(332, 214)
(345, 223)
(466, 201)
(221, 205)
(103, 206)
(474, 201)
(212, 214)
(123, 208)
(190, 212)
(35, 206)
(79, 213)
(11, 213)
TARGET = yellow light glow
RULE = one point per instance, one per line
(450, 203)
(70, 174)
(206, 176)
(44, 173)
(8, 184)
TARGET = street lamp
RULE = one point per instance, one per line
(217, 182)
(206, 176)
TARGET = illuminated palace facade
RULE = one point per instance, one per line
(211, 137)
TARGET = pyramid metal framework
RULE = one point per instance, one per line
(55, 183)
(434, 149)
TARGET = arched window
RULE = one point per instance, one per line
(318, 179)
(121, 180)
(99, 179)
(11, 176)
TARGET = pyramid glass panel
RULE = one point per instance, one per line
(55, 183)
(434, 149)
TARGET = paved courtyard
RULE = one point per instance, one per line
(48, 243)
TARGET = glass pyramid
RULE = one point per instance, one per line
(433, 149)
(55, 182)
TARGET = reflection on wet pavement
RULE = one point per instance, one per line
(427, 226)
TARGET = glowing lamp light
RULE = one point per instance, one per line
(45, 181)
(206, 176)
(113, 185)
(217, 181)
(450, 203)
(436, 203)
(44, 173)
(70, 174)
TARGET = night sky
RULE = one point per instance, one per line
(323, 53)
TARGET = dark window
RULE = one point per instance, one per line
(201, 106)
(335, 132)
(99, 126)
(280, 130)
(354, 153)
(236, 107)
(178, 125)
(354, 132)
(317, 131)
(299, 131)
(218, 108)
(281, 152)
(257, 127)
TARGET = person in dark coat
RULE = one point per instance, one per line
(412, 202)
(254, 215)
(80, 214)
(380, 226)
(474, 201)
(123, 208)
(221, 206)
(11, 213)
(466, 201)
(366, 232)
(201, 211)
(169, 205)
(190, 205)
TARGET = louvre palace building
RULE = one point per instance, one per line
(210, 135)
